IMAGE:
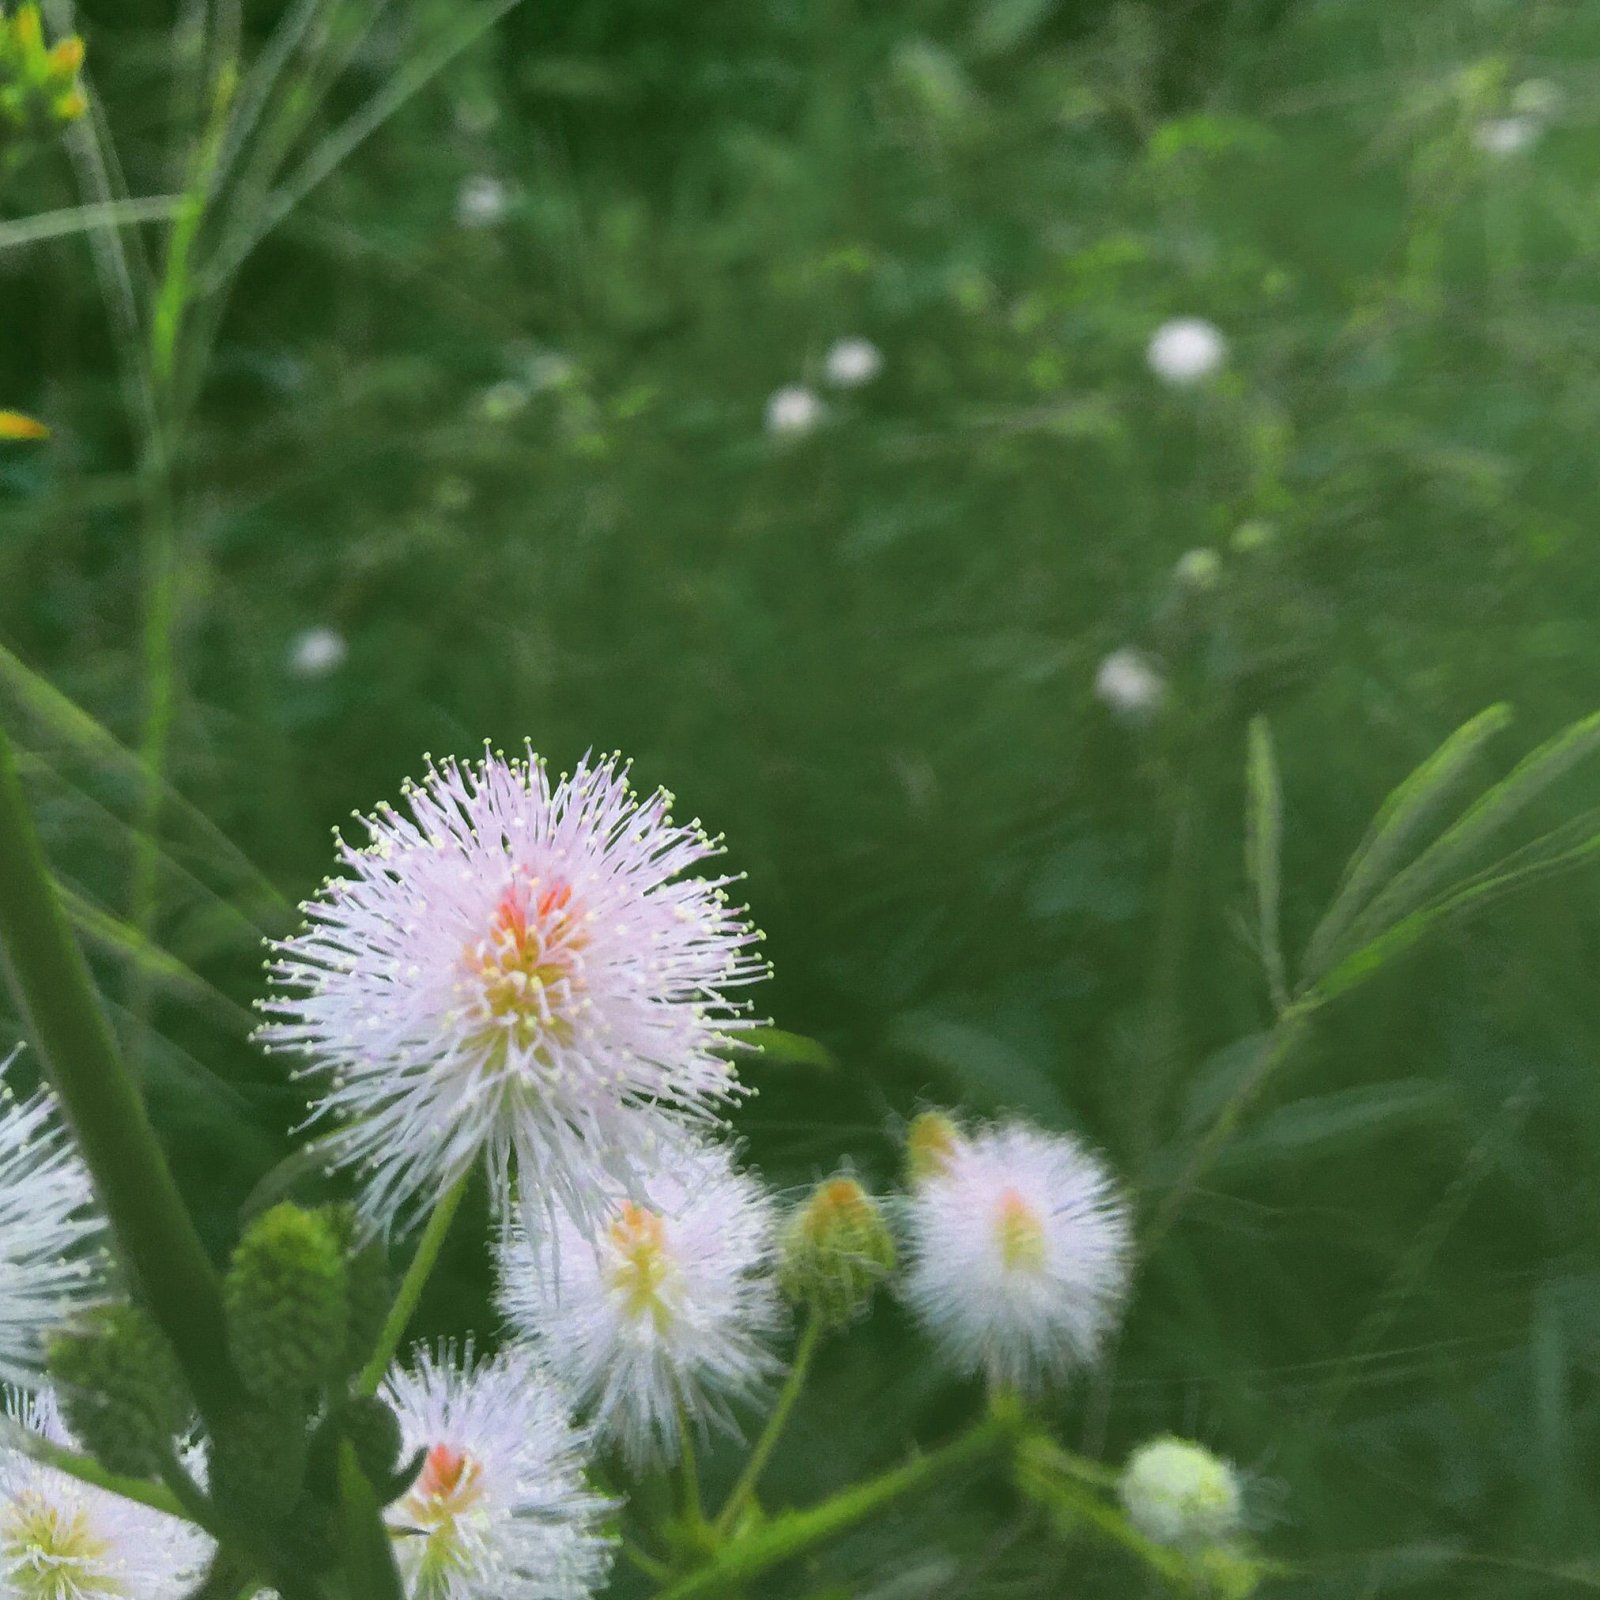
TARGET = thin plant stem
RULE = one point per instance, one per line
(157, 1238)
(810, 1338)
(744, 1559)
(85, 1469)
(689, 1473)
(411, 1286)
(656, 1571)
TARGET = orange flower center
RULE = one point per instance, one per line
(1021, 1233)
(527, 963)
(642, 1263)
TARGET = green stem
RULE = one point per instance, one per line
(689, 1473)
(1280, 1044)
(766, 1546)
(810, 1338)
(411, 1286)
(656, 1571)
(157, 1238)
(87, 1470)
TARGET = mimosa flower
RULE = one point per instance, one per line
(1186, 350)
(793, 410)
(501, 1509)
(663, 1318)
(317, 652)
(1177, 1492)
(520, 970)
(1128, 685)
(1019, 1255)
(48, 1223)
(852, 362)
(61, 1539)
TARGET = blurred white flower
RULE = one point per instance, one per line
(481, 202)
(1178, 1493)
(1198, 569)
(853, 362)
(1019, 1250)
(48, 1225)
(1501, 137)
(520, 969)
(664, 1317)
(501, 1509)
(317, 652)
(1128, 684)
(793, 410)
(61, 1539)
(1186, 350)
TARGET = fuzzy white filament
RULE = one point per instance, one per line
(521, 969)
(501, 1509)
(61, 1539)
(1186, 350)
(1019, 1248)
(48, 1227)
(665, 1317)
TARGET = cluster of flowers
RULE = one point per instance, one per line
(526, 976)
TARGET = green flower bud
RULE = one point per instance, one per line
(371, 1291)
(373, 1428)
(122, 1392)
(287, 1303)
(836, 1250)
(1178, 1493)
(931, 1141)
(258, 1464)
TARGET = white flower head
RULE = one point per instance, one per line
(481, 202)
(1502, 137)
(521, 969)
(1127, 683)
(665, 1316)
(317, 652)
(61, 1539)
(48, 1229)
(1176, 1492)
(793, 410)
(1019, 1252)
(852, 362)
(501, 1509)
(1186, 350)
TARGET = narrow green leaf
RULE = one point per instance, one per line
(1263, 852)
(791, 1049)
(987, 1072)
(1402, 817)
(85, 219)
(1413, 887)
(1341, 1118)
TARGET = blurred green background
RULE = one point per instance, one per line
(488, 401)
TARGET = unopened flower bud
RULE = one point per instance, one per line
(836, 1251)
(286, 1297)
(931, 1140)
(120, 1388)
(1178, 1493)
(368, 1285)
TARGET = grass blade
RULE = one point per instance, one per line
(1403, 815)
(88, 219)
(1263, 852)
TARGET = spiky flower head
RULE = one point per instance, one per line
(836, 1250)
(1186, 351)
(1019, 1255)
(48, 1225)
(501, 1509)
(666, 1311)
(61, 1539)
(1176, 1492)
(520, 969)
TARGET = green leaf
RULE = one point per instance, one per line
(1337, 1120)
(1263, 852)
(1401, 818)
(777, 1047)
(987, 1072)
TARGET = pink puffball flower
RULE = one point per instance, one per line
(63, 1539)
(501, 1509)
(1019, 1246)
(49, 1228)
(521, 970)
(663, 1318)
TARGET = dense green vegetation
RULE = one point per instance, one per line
(517, 460)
